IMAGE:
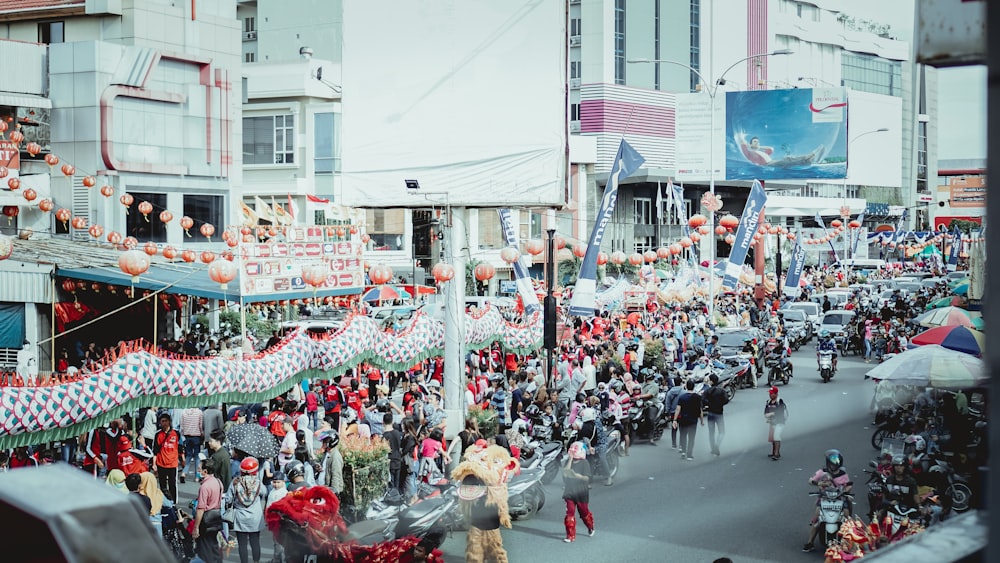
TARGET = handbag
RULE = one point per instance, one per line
(229, 516)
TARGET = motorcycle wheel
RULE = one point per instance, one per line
(961, 496)
(613, 463)
(877, 437)
(535, 499)
(730, 392)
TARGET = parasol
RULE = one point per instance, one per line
(958, 338)
(932, 366)
(947, 316)
(253, 439)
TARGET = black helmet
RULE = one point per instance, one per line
(382, 405)
(294, 469)
(650, 375)
(581, 397)
(330, 437)
(834, 460)
(533, 411)
(617, 385)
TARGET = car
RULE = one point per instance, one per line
(888, 297)
(384, 314)
(812, 310)
(314, 326)
(961, 274)
(930, 283)
(859, 287)
(731, 342)
(836, 322)
(796, 320)
(910, 287)
(837, 298)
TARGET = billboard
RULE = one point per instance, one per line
(786, 134)
(693, 122)
(967, 191)
(276, 268)
(466, 97)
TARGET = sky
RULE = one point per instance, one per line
(961, 115)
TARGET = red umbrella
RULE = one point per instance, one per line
(958, 338)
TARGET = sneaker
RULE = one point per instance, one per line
(683, 455)
(567, 540)
(808, 548)
(689, 458)
(608, 483)
(590, 532)
(182, 477)
(673, 446)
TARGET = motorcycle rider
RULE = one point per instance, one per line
(826, 344)
(592, 433)
(623, 401)
(900, 487)
(650, 393)
(832, 474)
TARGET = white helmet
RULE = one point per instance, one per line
(588, 414)
(520, 426)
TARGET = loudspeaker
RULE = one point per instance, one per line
(551, 316)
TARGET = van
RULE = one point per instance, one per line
(860, 263)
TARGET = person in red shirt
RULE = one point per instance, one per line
(166, 460)
(21, 458)
(312, 406)
(374, 379)
(128, 461)
(510, 362)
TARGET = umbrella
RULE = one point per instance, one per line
(385, 293)
(932, 366)
(958, 338)
(947, 316)
(953, 301)
(253, 439)
(961, 288)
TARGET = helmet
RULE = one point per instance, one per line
(533, 411)
(588, 414)
(329, 436)
(617, 385)
(581, 398)
(914, 443)
(382, 405)
(834, 460)
(249, 466)
(649, 376)
(294, 469)
(936, 469)
(824, 333)
(520, 426)
(349, 415)
(898, 459)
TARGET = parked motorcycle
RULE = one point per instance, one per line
(525, 493)
(432, 517)
(547, 455)
(826, 365)
(641, 430)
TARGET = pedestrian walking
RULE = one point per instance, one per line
(246, 498)
(166, 456)
(687, 416)
(715, 401)
(192, 421)
(775, 414)
(576, 491)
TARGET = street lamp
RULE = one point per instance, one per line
(712, 89)
(847, 243)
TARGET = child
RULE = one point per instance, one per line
(278, 492)
(430, 451)
(576, 491)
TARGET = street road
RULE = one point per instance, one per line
(742, 504)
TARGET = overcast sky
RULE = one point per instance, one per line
(961, 116)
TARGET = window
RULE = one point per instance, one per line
(643, 210)
(204, 209)
(153, 229)
(249, 24)
(574, 112)
(656, 43)
(325, 145)
(668, 211)
(490, 234)
(269, 139)
(574, 69)
(695, 43)
(574, 27)
(872, 74)
(386, 227)
(9, 226)
(642, 244)
(249, 57)
(531, 225)
(51, 32)
(619, 41)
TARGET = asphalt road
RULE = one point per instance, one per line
(742, 504)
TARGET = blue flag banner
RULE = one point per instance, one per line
(857, 235)
(524, 287)
(819, 219)
(627, 161)
(794, 275)
(956, 245)
(749, 221)
(678, 197)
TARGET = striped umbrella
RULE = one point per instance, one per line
(953, 301)
(961, 288)
(958, 338)
(932, 366)
(947, 316)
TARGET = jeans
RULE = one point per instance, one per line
(868, 349)
(687, 432)
(192, 447)
(716, 420)
(603, 469)
(69, 451)
(313, 419)
(253, 538)
(411, 478)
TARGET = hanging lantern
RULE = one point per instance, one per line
(836, 223)
(69, 286)
(114, 238)
(130, 243)
(649, 256)
(188, 256)
(51, 159)
(166, 216)
(96, 231)
(855, 224)
(315, 275)
(443, 272)
(697, 220)
(46, 205)
(3, 169)
(676, 249)
(791, 236)
(663, 253)
(133, 263)
(63, 215)
(579, 250)
(245, 230)
(208, 257)
(30, 194)
(272, 232)
(694, 236)
(79, 223)
(773, 230)
(559, 242)
(32, 148)
(226, 235)
(169, 252)
(534, 247)
(331, 232)
(509, 254)
(635, 259)
(14, 184)
(730, 239)
(704, 230)
(233, 242)
(126, 200)
(602, 258)
(685, 242)
(720, 230)
(341, 232)
(224, 271)
(107, 191)
(6, 247)
(207, 230)
(353, 229)
(365, 238)
(618, 258)
(379, 274)
(145, 208)
(187, 223)
(711, 202)
(17, 137)
(484, 271)
(151, 249)
(248, 238)
(729, 221)
(89, 181)
(69, 170)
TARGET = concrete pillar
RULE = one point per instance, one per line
(454, 326)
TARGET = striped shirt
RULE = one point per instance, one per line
(191, 422)
(625, 401)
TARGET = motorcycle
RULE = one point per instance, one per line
(641, 430)
(826, 365)
(778, 369)
(547, 455)
(890, 423)
(525, 493)
(833, 502)
(877, 476)
(432, 517)
(952, 484)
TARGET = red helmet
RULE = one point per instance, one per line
(249, 465)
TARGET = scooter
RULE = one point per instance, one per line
(778, 369)
(832, 511)
(641, 430)
(826, 365)
(547, 455)
(433, 517)
(525, 493)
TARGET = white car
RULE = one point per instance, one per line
(812, 310)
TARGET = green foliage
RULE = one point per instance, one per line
(230, 325)
(486, 420)
(366, 469)
(568, 271)
(963, 225)
(653, 354)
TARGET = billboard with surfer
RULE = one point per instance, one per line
(786, 134)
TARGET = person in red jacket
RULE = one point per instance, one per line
(128, 461)
(22, 458)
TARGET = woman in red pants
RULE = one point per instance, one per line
(576, 476)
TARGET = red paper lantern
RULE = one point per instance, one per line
(69, 286)
(341, 232)
(663, 253)
(130, 243)
(63, 215)
(79, 223)
(729, 221)
(353, 230)
(145, 208)
(602, 258)
(694, 236)
(10, 211)
(649, 256)
(720, 230)
(3, 169)
(208, 257)
(169, 252)
(96, 231)
(379, 274)
(114, 238)
(579, 250)
(730, 239)
(560, 242)
(46, 205)
(207, 230)
(484, 271)
(187, 223)
(14, 183)
(685, 242)
(676, 249)
(618, 258)
(151, 249)
(836, 223)
(166, 216)
(133, 263)
(705, 229)
(32, 148)
(30, 194)
(365, 238)
(635, 259)
(69, 170)
(223, 271)
(443, 272)
(855, 224)
(188, 256)
(126, 200)
(89, 181)
(697, 220)
(534, 247)
(107, 191)
(51, 159)
(17, 137)
(509, 254)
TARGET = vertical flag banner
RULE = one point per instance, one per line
(678, 194)
(659, 204)
(749, 222)
(524, 287)
(956, 244)
(858, 234)
(627, 161)
(794, 274)
(822, 225)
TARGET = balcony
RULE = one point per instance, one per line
(26, 62)
(249, 36)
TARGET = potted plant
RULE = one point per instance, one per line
(366, 471)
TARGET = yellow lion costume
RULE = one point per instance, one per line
(482, 477)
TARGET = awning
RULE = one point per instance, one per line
(24, 100)
(189, 279)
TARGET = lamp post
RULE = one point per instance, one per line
(847, 243)
(712, 89)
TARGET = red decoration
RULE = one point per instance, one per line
(3, 169)
(188, 256)
(697, 220)
(729, 221)
(96, 231)
(353, 230)
(560, 242)
(63, 215)
(663, 253)
(694, 236)
(10, 211)
(69, 170)
(836, 223)
(676, 249)
(705, 229)
(720, 230)
(730, 239)
(145, 208)
(107, 191)
(89, 181)
(580, 250)
(114, 238)
(169, 253)
(29, 194)
(151, 249)
(46, 205)
(534, 247)
(207, 230)
(208, 257)
(187, 223)
(510, 254)
(379, 274)
(602, 258)
(315, 275)
(649, 256)
(166, 216)
(126, 200)
(635, 259)
(134, 263)
(365, 238)
(69, 286)
(32, 148)
(14, 183)
(618, 258)
(685, 242)
(51, 159)
(341, 232)
(224, 271)
(855, 224)
(130, 243)
(484, 271)
(17, 137)
(79, 223)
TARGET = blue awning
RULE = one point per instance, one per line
(190, 279)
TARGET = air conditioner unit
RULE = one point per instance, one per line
(574, 40)
(249, 35)
(574, 82)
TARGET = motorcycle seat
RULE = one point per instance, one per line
(365, 528)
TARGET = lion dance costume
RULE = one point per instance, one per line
(482, 477)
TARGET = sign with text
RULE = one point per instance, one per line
(277, 268)
(967, 191)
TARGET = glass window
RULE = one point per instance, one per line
(386, 227)
(574, 112)
(249, 24)
(574, 69)
(151, 229)
(643, 210)
(51, 32)
(325, 144)
(490, 235)
(694, 43)
(531, 225)
(619, 41)
(269, 139)
(249, 57)
(205, 209)
(642, 244)
(574, 26)
(873, 74)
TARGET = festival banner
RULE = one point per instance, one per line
(749, 221)
(956, 245)
(822, 225)
(794, 275)
(524, 287)
(858, 235)
(627, 161)
(678, 197)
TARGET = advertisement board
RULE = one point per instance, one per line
(967, 191)
(276, 268)
(786, 134)
(693, 121)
